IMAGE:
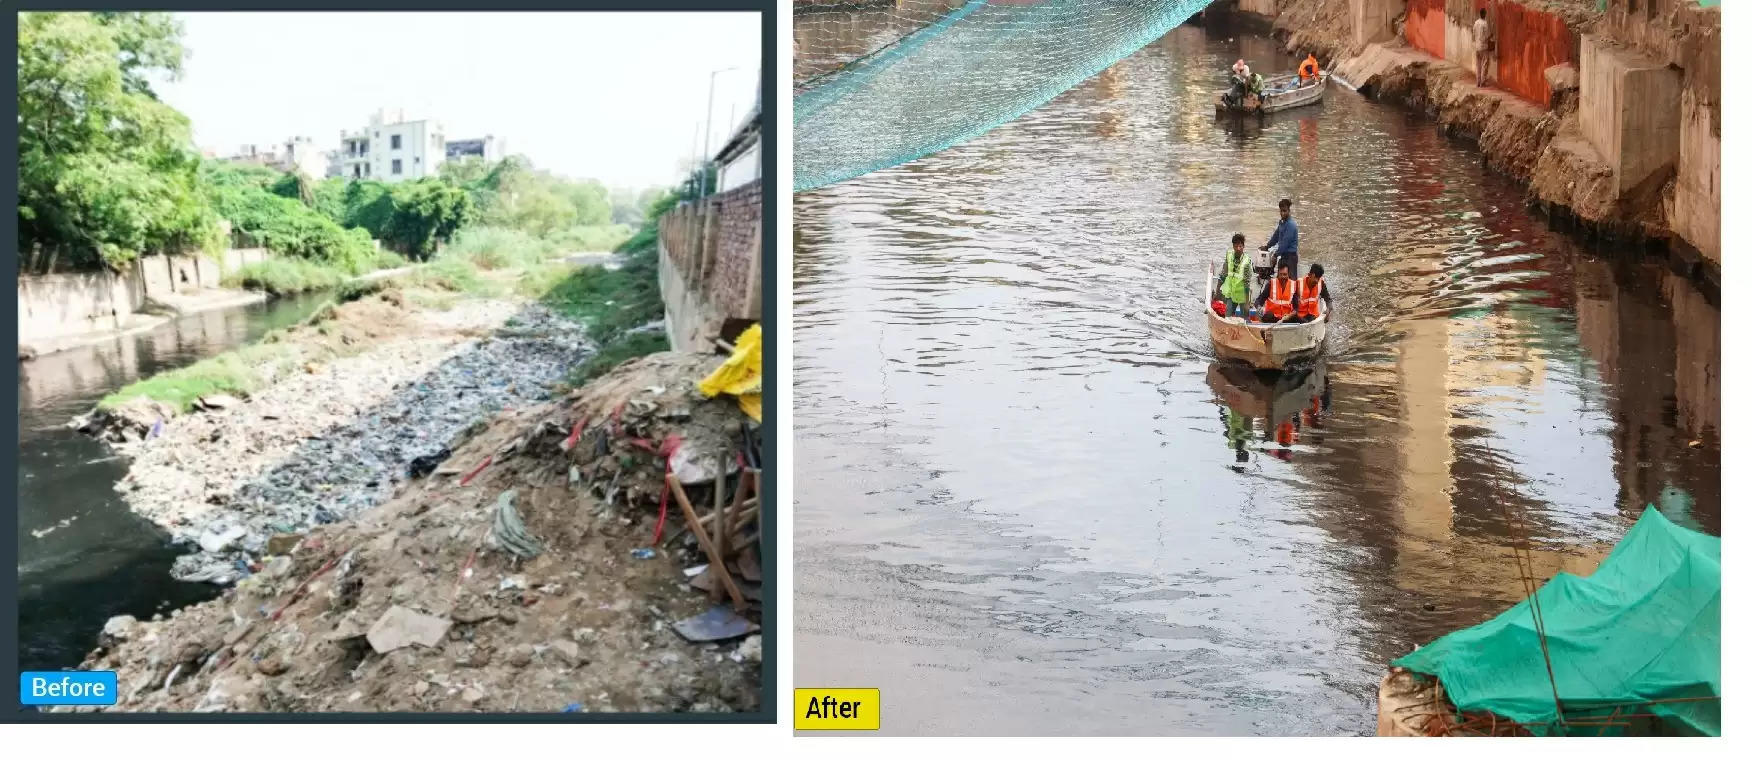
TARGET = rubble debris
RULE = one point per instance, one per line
(400, 627)
(580, 623)
(317, 448)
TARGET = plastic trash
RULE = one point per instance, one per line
(644, 553)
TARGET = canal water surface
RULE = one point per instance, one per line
(1028, 500)
(83, 555)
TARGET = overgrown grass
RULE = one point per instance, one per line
(283, 274)
(388, 259)
(610, 303)
(601, 237)
(450, 273)
(611, 354)
(236, 372)
(497, 248)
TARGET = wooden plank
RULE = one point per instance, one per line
(712, 556)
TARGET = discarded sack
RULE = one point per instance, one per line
(740, 374)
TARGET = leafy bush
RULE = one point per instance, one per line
(425, 213)
(285, 226)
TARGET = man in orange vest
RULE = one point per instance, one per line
(1280, 298)
(1312, 290)
(1309, 71)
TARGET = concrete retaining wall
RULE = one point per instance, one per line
(1629, 112)
(59, 305)
(1697, 198)
(1372, 20)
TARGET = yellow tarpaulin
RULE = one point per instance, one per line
(740, 374)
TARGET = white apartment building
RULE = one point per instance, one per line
(392, 148)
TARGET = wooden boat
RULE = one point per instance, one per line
(1268, 347)
(1280, 95)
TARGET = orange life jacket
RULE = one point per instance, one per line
(1310, 68)
(1286, 433)
(1310, 305)
(1277, 299)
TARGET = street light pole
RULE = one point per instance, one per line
(711, 90)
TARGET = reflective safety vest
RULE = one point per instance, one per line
(1310, 306)
(1278, 298)
(1310, 68)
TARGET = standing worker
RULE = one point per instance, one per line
(1484, 39)
(1234, 277)
(1285, 238)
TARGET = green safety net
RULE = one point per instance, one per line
(876, 84)
(1640, 635)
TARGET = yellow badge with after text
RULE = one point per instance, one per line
(838, 710)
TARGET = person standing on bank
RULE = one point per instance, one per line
(1285, 238)
(1484, 39)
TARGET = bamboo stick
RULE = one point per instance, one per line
(716, 561)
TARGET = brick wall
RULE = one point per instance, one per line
(710, 273)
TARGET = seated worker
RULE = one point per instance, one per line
(1234, 275)
(1312, 290)
(1280, 299)
(1309, 71)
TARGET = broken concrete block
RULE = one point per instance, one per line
(400, 626)
(1562, 77)
(283, 543)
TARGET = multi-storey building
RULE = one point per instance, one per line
(392, 148)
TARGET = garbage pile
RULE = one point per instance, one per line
(518, 575)
(328, 442)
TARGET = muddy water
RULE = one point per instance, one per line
(1028, 500)
(83, 555)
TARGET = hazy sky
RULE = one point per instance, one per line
(620, 97)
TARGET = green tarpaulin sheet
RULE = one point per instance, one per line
(1645, 626)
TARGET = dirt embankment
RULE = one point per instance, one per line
(511, 578)
(1539, 147)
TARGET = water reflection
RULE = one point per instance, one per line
(1275, 407)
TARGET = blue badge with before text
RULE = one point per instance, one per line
(67, 687)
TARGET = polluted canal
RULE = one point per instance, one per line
(83, 555)
(1021, 472)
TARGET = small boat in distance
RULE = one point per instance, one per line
(1280, 94)
(1263, 346)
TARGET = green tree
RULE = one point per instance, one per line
(106, 171)
(426, 213)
